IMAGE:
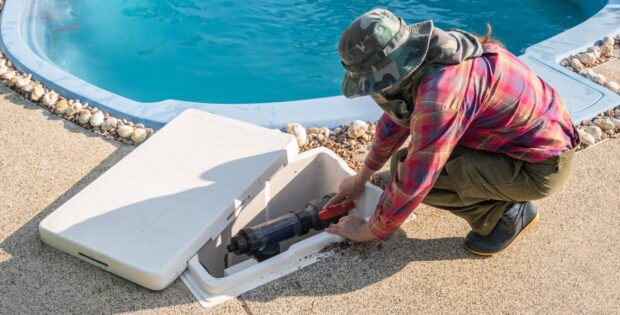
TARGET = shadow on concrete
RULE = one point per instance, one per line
(37, 278)
(36, 274)
(176, 218)
(356, 266)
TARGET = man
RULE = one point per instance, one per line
(487, 135)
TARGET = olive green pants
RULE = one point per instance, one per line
(478, 185)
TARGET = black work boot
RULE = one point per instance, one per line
(516, 220)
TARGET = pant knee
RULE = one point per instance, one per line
(546, 191)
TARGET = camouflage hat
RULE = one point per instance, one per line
(379, 50)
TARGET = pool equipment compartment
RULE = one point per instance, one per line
(171, 206)
(213, 275)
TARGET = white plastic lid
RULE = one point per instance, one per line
(152, 211)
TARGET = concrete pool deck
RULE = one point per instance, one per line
(568, 263)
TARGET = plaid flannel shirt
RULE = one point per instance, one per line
(493, 103)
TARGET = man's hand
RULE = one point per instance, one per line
(350, 188)
(353, 228)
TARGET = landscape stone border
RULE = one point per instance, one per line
(605, 125)
(83, 115)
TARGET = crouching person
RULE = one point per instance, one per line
(487, 135)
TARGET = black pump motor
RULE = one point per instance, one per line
(263, 240)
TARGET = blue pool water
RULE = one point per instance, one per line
(251, 51)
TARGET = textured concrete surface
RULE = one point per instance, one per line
(567, 264)
(611, 70)
(45, 160)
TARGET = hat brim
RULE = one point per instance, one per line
(403, 61)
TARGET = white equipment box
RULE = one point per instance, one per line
(171, 206)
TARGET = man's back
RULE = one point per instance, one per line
(506, 107)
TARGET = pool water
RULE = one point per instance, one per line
(251, 51)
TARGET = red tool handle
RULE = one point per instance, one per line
(336, 210)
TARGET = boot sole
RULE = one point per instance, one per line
(523, 231)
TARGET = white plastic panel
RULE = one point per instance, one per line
(150, 213)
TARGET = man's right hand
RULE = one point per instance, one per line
(350, 188)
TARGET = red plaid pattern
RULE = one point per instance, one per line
(493, 103)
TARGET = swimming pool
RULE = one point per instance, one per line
(259, 51)
(149, 60)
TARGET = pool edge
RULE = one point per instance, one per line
(543, 58)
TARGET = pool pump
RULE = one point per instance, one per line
(263, 241)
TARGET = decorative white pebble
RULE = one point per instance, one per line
(594, 131)
(616, 123)
(609, 40)
(9, 75)
(320, 137)
(74, 108)
(595, 50)
(586, 73)
(598, 78)
(587, 59)
(109, 123)
(357, 128)
(96, 119)
(61, 107)
(586, 138)
(338, 131)
(3, 69)
(607, 51)
(576, 65)
(12, 81)
(605, 124)
(139, 135)
(124, 131)
(23, 81)
(299, 132)
(50, 98)
(37, 93)
(313, 131)
(324, 131)
(84, 116)
(614, 86)
(28, 88)
(372, 127)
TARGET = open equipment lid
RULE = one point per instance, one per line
(150, 213)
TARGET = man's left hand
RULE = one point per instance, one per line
(353, 228)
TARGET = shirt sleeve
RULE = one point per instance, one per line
(436, 128)
(389, 136)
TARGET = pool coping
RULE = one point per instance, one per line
(584, 98)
